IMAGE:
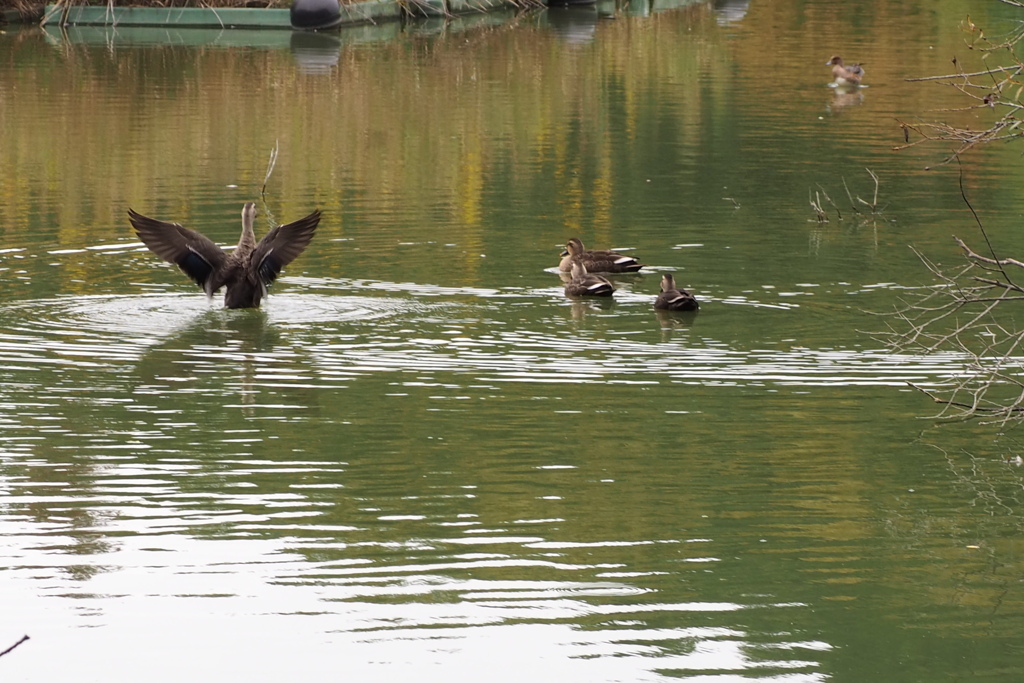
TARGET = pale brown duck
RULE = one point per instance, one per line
(842, 75)
(596, 261)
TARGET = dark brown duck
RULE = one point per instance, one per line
(673, 298)
(587, 284)
(244, 273)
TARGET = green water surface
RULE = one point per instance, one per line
(420, 460)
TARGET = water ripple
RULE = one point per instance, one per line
(308, 340)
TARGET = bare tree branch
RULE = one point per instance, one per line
(969, 315)
(818, 198)
(983, 259)
(947, 77)
(998, 88)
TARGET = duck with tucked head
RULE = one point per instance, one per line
(673, 298)
(246, 272)
(587, 284)
(845, 76)
(596, 261)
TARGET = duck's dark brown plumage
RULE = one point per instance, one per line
(246, 272)
(673, 298)
(596, 261)
(587, 284)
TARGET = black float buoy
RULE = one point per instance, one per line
(312, 15)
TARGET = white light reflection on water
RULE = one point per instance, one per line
(320, 339)
(128, 544)
(227, 601)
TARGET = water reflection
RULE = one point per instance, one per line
(670, 5)
(580, 308)
(419, 455)
(574, 24)
(218, 340)
(730, 11)
(676, 319)
(638, 8)
(845, 97)
(347, 336)
(153, 36)
(315, 52)
(322, 448)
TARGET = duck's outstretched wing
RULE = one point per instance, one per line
(194, 253)
(282, 245)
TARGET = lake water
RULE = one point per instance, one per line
(419, 460)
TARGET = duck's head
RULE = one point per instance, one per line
(249, 212)
(667, 282)
(835, 61)
(573, 247)
(579, 271)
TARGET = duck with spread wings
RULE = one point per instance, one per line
(244, 273)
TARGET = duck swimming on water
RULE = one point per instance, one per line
(246, 272)
(845, 76)
(673, 298)
(596, 261)
(587, 284)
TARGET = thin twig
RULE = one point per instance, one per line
(874, 199)
(270, 168)
(981, 226)
(948, 77)
(853, 204)
(23, 639)
(819, 212)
